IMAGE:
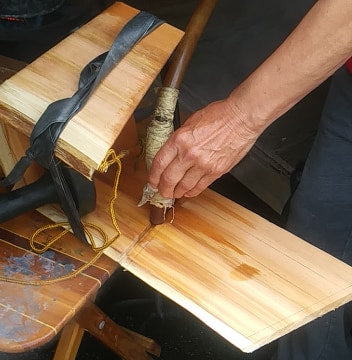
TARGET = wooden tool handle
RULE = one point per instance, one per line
(186, 47)
(157, 215)
(178, 67)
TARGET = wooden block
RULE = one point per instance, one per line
(13, 145)
(54, 75)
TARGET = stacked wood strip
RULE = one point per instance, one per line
(54, 75)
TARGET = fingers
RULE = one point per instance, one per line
(199, 152)
(189, 183)
(160, 162)
(202, 184)
(176, 173)
(171, 164)
(171, 177)
(190, 179)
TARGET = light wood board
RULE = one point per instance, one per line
(247, 279)
(54, 75)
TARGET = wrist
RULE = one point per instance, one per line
(242, 120)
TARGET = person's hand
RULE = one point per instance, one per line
(209, 144)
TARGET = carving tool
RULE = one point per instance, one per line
(162, 122)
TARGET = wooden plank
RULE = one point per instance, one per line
(54, 75)
(246, 278)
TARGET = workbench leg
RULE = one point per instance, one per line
(125, 343)
(69, 342)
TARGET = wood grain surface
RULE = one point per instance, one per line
(32, 315)
(247, 279)
(54, 75)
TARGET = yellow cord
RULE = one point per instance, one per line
(110, 159)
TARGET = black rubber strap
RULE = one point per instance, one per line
(52, 122)
(50, 125)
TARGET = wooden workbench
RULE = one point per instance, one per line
(32, 315)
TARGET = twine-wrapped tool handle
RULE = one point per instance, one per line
(172, 81)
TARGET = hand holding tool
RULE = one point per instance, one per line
(167, 102)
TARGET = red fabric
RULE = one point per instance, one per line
(349, 65)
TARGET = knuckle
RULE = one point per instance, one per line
(216, 168)
(158, 161)
(184, 142)
(193, 156)
(194, 153)
(204, 164)
(181, 137)
(185, 185)
(167, 178)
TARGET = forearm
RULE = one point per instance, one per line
(217, 137)
(319, 45)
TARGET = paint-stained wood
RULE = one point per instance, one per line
(32, 315)
(55, 74)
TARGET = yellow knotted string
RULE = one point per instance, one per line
(110, 159)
